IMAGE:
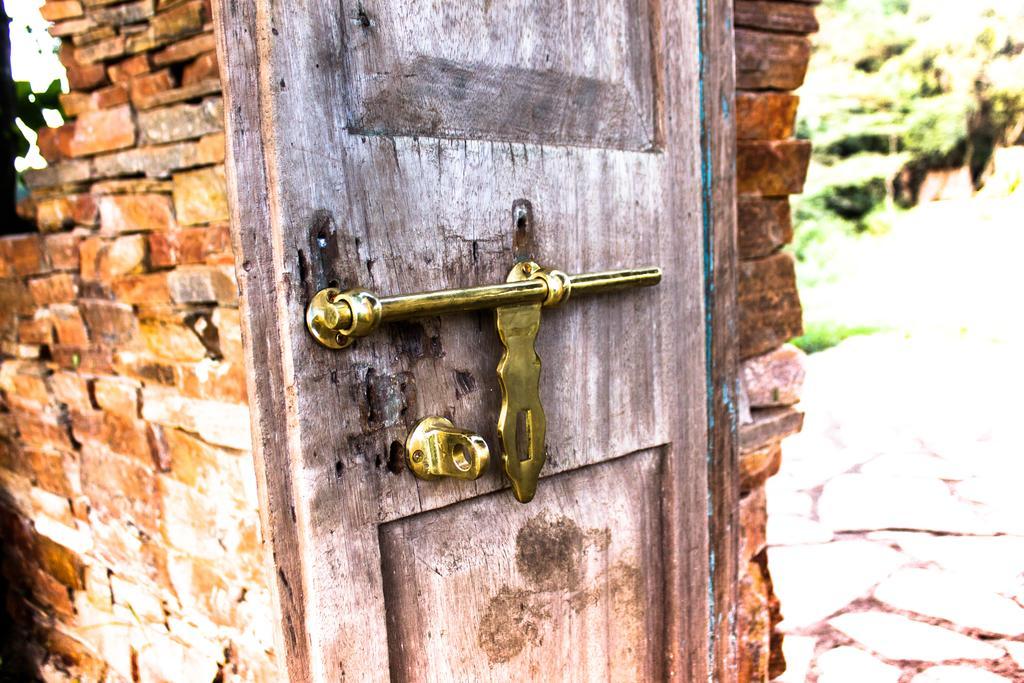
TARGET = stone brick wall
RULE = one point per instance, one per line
(772, 54)
(127, 502)
(128, 511)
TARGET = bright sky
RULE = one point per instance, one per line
(33, 59)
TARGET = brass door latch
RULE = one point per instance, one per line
(436, 448)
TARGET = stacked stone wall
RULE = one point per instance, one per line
(128, 508)
(772, 55)
(127, 500)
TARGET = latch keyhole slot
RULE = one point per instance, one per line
(524, 435)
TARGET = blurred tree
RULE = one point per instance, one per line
(10, 137)
(21, 113)
(896, 89)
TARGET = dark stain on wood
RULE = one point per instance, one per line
(442, 98)
(465, 383)
(410, 341)
(388, 397)
(512, 620)
(550, 555)
(396, 457)
(319, 270)
(549, 552)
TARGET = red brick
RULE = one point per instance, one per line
(191, 246)
(76, 103)
(81, 661)
(184, 50)
(53, 471)
(25, 381)
(61, 563)
(124, 255)
(121, 487)
(122, 72)
(144, 87)
(69, 326)
(21, 255)
(202, 68)
(765, 115)
(202, 585)
(122, 434)
(770, 312)
(85, 359)
(201, 196)
(89, 257)
(62, 250)
(180, 21)
(223, 380)
(109, 323)
(211, 149)
(222, 424)
(103, 131)
(771, 15)
(55, 10)
(201, 284)
(770, 61)
(79, 27)
(757, 465)
(42, 429)
(85, 76)
(150, 288)
(38, 330)
(101, 50)
(55, 143)
(104, 260)
(84, 210)
(145, 368)
(122, 13)
(52, 593)
(203, 524)
(165, 658)
(172, 341)
(765, 225)
(55, 214)
(15, 299)
(54, 289)
(772, 168)
(117, 395)
(71, 389)
(135, 213)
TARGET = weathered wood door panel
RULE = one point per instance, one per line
(384, 145)
(474, 597)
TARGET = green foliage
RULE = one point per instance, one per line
(937, 126)
(820, 336)
(943, 81)
(29, 106)
(895, 89)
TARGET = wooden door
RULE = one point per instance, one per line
(383, 144)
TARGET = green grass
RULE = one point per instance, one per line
(819, 336)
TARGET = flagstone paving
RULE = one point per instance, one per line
(896, 524)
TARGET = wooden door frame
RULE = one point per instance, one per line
(239, 51)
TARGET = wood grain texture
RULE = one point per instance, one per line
(564, 590)
(622, 374)
(718, 142)
(575, 75)
(256, 268)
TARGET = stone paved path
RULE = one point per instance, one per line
(896, 524)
